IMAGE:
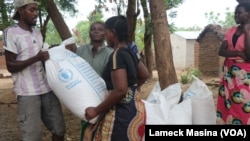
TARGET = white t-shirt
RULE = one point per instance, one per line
(31, 80)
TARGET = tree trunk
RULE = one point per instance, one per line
(131, 19)
(163, 51)
(43, 27)
(148, 39)
(59, 23)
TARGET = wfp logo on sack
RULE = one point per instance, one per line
(65, 75)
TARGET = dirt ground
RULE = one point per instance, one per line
(9, 129)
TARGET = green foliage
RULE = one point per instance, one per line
(172, 3)
(119, 7)
(186, 77)
(6, 7)
(52, 36)
(172, 28)
(229, 19)
(172, 14)
(83, 28)
(66, 6)
(139, 35)
(194, 28)
(214, 18)
(94, 16)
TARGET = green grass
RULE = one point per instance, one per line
(186, 77)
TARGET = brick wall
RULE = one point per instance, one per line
(206, 57)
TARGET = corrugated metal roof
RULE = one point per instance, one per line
(188, 34)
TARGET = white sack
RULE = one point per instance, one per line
(74, 81)
(171, 94)
(181, 113)
(203, 106)
(156, 113)
(197, 107)
(163, 107)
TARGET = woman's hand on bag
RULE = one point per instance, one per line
(90, 113)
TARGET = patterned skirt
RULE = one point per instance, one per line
(124, 122)
(233, 103)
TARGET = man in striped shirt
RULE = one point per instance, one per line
(36, 101)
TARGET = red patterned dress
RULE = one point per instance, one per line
(233, 104)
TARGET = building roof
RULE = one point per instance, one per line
(216, 29)
(188, 34)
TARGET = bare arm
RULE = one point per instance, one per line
(247, 40)
(14, 65)
(223, 51)
(71, 47)
(120, 84)
(142, 74)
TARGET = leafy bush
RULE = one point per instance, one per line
(187, 76)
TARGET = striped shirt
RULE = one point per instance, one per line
(31, 80)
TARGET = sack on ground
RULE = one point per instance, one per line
(203, 106)
(163, 107)
(197, 106)
(156, 113)
(171, 94)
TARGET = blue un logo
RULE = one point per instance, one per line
(65, 75)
